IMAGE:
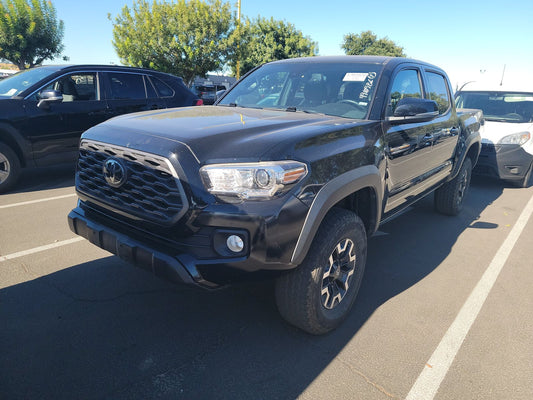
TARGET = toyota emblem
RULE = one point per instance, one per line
(114, 172)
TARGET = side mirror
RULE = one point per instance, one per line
(49, 96)
(219, 94)
(412, 109)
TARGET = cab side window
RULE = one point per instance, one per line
(76, 87)
(438, 91)
(406, 84)
(126, 86)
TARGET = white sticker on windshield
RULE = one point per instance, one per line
(516, 99)
(355, 77)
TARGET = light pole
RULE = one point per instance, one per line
(238, 39)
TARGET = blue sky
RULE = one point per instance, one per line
(470, 39)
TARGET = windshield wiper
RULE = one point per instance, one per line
(294, 109)
(237, 105)
(501, 119)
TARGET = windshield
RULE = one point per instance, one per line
(19, 82)
(499, 106)
(338, 89)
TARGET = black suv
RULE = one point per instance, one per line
(44, 110)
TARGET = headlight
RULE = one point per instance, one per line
(262, 180)
(516, 138)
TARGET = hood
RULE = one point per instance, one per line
(215, 132)
(494, 131)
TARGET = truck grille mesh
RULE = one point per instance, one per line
(151, 191)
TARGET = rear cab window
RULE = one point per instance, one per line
(437, 90)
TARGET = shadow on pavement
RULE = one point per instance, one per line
(34, 179)
(106, 330)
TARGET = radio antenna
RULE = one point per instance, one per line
(503, 73)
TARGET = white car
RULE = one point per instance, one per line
(507, 141)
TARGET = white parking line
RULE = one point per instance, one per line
(40, 248)
(37, 201)
(429, 380)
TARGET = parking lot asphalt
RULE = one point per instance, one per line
(445, 311)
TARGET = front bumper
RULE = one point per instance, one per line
(508, 162)
(161, 264)
(200, 258)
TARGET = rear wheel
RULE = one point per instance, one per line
(318, 295)
(9, 167)
(449, 198)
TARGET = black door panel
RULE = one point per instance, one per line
(54, 130)
(418, 154)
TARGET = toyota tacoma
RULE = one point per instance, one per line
(288, 174)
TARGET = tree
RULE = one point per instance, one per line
(367, 43)
(29, 32)
(262, 40)
(187, 38)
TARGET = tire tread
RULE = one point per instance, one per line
(295, 296)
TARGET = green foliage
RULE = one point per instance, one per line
(263, 40)
(367, 43)
(29, 32)
(184, 38)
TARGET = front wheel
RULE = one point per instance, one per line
(9, 167)
(318, 295)
(449, 198)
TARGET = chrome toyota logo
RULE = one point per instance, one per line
(114, 172)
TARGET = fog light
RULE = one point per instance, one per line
(235, 243)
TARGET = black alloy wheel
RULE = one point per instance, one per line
(337, 275)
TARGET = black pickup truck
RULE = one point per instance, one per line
(288, 174)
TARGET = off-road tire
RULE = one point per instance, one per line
(303, 295)
(449, 198)
(9, 168)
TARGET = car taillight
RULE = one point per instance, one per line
(199, 102)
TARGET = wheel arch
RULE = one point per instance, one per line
(473, 152)
(471, 147)
(10, 137)
(359, 190)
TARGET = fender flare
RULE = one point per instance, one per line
(463, 150)
(329, 195)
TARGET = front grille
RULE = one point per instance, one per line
(151, 191)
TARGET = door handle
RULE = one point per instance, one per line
(454, 131)
(400, 149)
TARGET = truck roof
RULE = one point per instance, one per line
(356, 59)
